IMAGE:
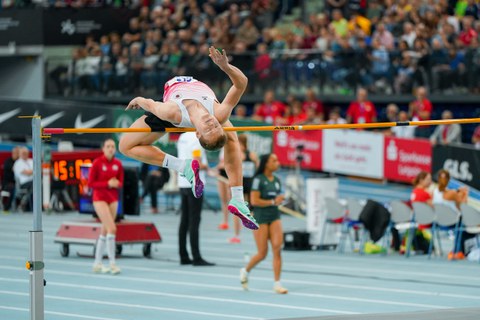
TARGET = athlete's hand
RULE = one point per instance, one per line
(138, 103)
(113, 183)
(220, 59)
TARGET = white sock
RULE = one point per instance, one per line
(174, 163)
(111, 248)
(237, 193)
(277, 284)
(100, 249)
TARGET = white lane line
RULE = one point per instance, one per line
(310, 295)
(137, 306)
(256, 278)
(184, 296)
(71, 315)
(350, 270)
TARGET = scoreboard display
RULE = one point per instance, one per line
(66, 166)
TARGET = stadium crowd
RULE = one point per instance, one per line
(384, 46)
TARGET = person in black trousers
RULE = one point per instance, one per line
(189, 147)
(8, 181)
(154, 178)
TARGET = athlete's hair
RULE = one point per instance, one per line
(443, 177)
(242, 138)
(215, 145)
(263, 164)
(420, 177)
(105, 141)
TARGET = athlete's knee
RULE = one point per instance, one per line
(262, 254)
(123, 145)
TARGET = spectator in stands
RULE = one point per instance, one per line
(311, 102)
(468, 32)
(407, 132)
(476, 137)
(121, 71)
(447, 133)
(8, 179)
(240, 112)
(339, 25)
(334, 116)
(148, 73)
(296, 114)
(312, 117)
(404, 79)
(248, 33)
(380, 66)
(391, 113)
(439, 63)
(361, 110)
(136, 66)
(384, 37)
(421, 185)
(106, 179)
(23, 171)
(271, 110)
(419, 110)
(263, 73)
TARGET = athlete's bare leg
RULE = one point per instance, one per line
(233, 158)
(138, 145)
(233, 167)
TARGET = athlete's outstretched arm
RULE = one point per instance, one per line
(239, 83)
(163, 110)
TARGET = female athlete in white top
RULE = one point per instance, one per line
(191, 103)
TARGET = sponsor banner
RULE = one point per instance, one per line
(21, 27)
(463, 163)
(70, 26)
(353, 152)
(288, 145)
(405, 158)
(317, 191)
(62, 115)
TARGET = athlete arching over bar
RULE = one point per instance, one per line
(191, 103)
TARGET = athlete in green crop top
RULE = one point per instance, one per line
(265, 197)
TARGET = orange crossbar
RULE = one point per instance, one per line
(307, 127)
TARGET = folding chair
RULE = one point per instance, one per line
(401, 218)
(446, 219)
(423, 214)
(21, 198)
(355, 207)
(336, 214)
(470, 223)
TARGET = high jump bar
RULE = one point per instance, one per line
(307, 127)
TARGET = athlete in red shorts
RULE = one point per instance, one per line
(106, 178)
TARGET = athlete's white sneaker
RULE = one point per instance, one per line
(244, 278)
(279, 289)
(114, 269)
(100, 268)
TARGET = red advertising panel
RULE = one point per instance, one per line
(405, 158)
(286, 145)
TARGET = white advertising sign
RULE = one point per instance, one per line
(358, 153)
(317, 191)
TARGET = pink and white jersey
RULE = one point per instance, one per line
(181, 88)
